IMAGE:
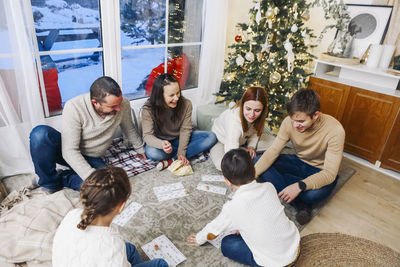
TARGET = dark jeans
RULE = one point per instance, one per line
(199, 141)
(234, 247)
(135, 260)
(289, 169)
(45, 147)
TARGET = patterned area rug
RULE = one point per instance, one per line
(177, 218)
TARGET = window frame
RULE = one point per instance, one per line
(110, 23)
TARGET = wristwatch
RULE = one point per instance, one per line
(302, 185)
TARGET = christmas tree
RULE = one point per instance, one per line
(271, 51)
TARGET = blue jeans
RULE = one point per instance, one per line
(289, 169)
(45, 147)
(199, 142)
(234, 248)
(135, 260)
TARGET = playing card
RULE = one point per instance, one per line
(162, 247)
(211, 188)
(212, 178)
(122, 218)
(170, 191)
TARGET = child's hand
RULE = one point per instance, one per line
(167, 146)
(192, 240)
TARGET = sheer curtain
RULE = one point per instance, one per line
(393, 33)
(20, 104)
(213, 50)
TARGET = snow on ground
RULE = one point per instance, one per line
(136, 65)
(76, 75)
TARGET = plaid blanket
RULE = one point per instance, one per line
(121, 156)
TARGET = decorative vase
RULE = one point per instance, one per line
(341, 45)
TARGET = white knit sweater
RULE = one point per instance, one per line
(256, 212)
(84, 132)
(228, 128)
(96, 246)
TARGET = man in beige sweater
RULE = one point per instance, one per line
(310, 174)
(89, 124)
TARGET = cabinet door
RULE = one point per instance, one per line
(391, 153)
(367, 120)
(333, 96)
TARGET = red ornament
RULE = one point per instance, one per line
(238, 38)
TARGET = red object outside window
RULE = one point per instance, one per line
(178, 67)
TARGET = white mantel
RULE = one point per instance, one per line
(360, 76)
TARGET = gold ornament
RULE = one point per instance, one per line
(275, 77)
(269, 14)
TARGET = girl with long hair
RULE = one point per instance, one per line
(86, 236)
(242, 126)
(167, 125)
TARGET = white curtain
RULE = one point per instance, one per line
(213, 51)
(20, 104)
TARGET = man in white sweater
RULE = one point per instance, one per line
(266, 237)
(89, 124)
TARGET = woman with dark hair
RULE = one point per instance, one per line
(167, 125)
(242, 126)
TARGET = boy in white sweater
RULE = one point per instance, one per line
(266, 237)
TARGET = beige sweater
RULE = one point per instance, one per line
(84, 132)
(320, 146)
(170, 130)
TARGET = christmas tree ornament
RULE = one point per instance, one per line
(294, 28)
(258, 14)
(306, 15)
(266, 46)
(240, 60)
(275, 77)
(276, 10)
(290, 55)
(244, 70)
(260, 56)
(238, 38)
(249, 56)
(270, 16)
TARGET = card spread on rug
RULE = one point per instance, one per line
(211, 188)
(170, 191)
(212, 178)
(162, 247)
(122, 218)
(217, 241)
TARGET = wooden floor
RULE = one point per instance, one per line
(367, 206)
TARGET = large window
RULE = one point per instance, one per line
(145, 38)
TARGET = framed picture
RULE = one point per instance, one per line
(369, 24)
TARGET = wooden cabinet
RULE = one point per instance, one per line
(391, 154)
(333, 96)
(367, 117)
